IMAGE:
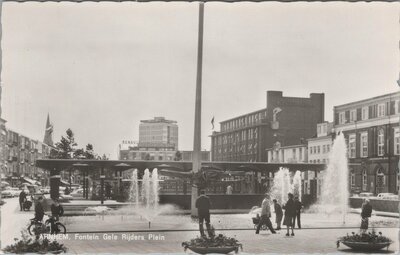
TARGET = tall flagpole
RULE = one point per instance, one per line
(197, 114)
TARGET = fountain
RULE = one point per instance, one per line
(284, 183)
(144, 197)
(335, 181)
(134, 189)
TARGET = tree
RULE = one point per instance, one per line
(89, 153)
(65, 148)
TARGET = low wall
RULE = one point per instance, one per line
(377, 204)
(234, 201)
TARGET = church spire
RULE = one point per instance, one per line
(48, 134)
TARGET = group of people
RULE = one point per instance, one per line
(56, 208)
(292, 211)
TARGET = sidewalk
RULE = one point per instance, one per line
(305, 241)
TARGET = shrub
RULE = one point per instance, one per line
(370, 237)
(213, 241)
(29, 245)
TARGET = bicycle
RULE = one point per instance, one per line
(51, 226)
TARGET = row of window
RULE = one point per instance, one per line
(243, 135)
(243, 121)
(318, 161)
(275, 154)
(317, 149)
(380, 179)
(369, 112)
(380, 144)
(238, 148)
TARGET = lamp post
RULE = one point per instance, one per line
(197, 114)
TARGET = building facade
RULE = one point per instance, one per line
(21, 153)
(158, 132)
(319, 147)
(288, 154)
(131, 150)
(285, 121)
(372, 132)
(158, 140)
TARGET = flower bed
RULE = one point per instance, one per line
(29, 245)
(370, 241)
(213, 244)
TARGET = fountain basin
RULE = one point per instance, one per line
(366, 246)
(207, 250)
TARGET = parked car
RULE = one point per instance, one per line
(385, 195)
(15, 191)
(45, 190)
(391, 197)
(366, 194)
(65, 198)
(77, 193)
(6, 193)
(10, 192)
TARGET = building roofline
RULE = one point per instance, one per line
(320, 138)
(159, 120)
(366, 100)
(240, 116)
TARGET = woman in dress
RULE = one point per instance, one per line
(290, 213)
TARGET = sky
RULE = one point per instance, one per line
(100, 68)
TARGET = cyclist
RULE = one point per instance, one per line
(39, 210)
(56, 211)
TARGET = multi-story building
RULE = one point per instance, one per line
(21, 153)
(285, 121)
(320, 146)
(3, 152)
(158, 140)
(158, 133)
(288, 154)
(372, 131)
(130, 150)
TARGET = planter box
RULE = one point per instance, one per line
(205, 250)
(364, 246)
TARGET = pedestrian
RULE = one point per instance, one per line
(278, 214)
(22, 199)
(108, 191)
(56, 211)
(366, 210)
(203, 206)
(298, 206)
(265, 215)
(229, 190)
(39, 210)
(67, 191)
(290, 213)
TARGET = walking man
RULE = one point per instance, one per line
(298, 206)
(278, 214)
(265, 215)
(22, 198)
(203, 206)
